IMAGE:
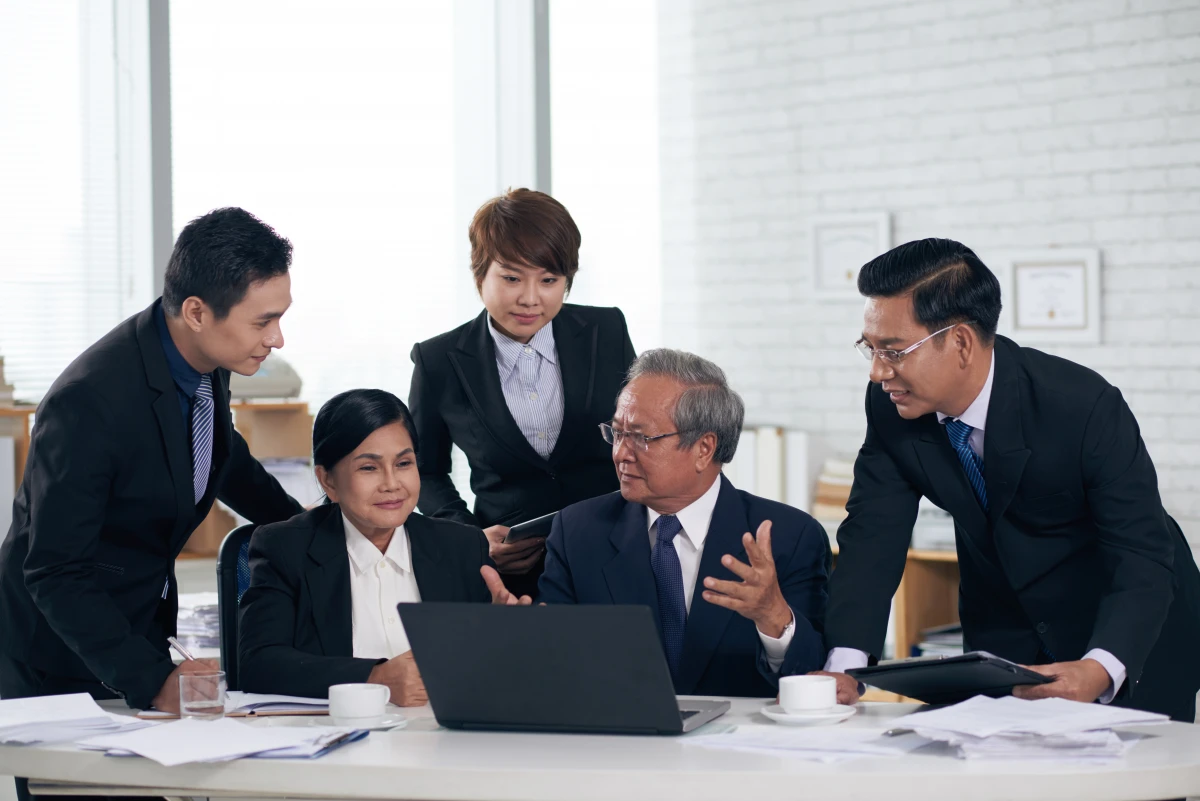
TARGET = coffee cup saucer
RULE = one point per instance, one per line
(388, 721)
(820, 717)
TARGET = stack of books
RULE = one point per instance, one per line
(833, 490)
(940, 641)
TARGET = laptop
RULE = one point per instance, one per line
(586, 669)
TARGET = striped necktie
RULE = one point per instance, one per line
(960, 437)
(202, 436)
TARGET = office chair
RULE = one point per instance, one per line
(233, 577)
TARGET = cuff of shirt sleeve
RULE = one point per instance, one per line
(842, 659)
(775, 648)
(1115, 669)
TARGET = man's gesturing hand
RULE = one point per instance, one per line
(757, 596)
(500, 593)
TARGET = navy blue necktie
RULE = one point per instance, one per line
(668, 578)
(202, 436)
(960, 437)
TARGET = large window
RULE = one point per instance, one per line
(333, 124)
(604, 152)
(73, 184)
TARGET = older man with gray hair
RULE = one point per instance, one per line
(735, 610)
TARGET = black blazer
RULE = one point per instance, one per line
(456, 399)
(105, 505)
(1075, 552)
(295, 630)
(599, 553)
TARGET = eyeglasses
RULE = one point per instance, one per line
(640, 442)
(895, 356)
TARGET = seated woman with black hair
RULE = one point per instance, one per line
(321, 607)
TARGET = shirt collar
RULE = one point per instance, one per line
(695, 517)
(509, 350)
(976, 414)
(186, 377)
(364, 555)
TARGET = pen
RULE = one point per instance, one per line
(179, 649)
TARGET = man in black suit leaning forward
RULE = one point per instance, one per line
(1069, 563)
(734, 611)
(130, 447)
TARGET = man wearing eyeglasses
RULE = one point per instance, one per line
(734, 610)
(1069, 563)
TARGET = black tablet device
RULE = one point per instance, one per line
(537, 527)
(949, 679)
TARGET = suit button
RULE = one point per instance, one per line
(1042, 628)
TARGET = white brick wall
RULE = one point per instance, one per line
(1000, 123)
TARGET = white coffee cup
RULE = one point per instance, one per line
(807, 694)
(358, 705)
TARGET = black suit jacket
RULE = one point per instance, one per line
(1075, 551)
(295, 630)
(599, 553)
(105, 506)
(456, 399)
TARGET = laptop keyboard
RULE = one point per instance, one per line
(684, 714)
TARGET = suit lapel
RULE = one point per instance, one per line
(474, 361)
(946, 476)
(628, 573)
(171, 427)
(1004, 451)
(706, 622)
(576, 342)
(328, 576)
(434, 581)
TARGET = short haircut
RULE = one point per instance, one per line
(948, 282)
(707, 405)
(350, 417)
(524, 228)
(218, 256)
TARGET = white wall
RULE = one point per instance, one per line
(998, 123)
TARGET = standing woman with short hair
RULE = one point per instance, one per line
(521, 388)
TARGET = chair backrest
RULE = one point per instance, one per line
(233, 577)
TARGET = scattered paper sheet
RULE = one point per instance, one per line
(190, 740)
(819, 743)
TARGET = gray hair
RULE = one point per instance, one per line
(708, 405)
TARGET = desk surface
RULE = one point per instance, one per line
(423, 761)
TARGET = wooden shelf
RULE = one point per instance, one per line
(927, 596)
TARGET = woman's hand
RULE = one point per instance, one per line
(513, 557)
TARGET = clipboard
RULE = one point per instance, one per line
(949, 679)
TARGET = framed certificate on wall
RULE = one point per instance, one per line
(841, 245)
(1052, 295)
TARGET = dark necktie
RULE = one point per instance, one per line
(960, 437)
(668, 578)
(202, 436)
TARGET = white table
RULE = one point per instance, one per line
(423, 761)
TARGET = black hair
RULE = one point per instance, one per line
(218, 256)
(948, 282)
(350, 417)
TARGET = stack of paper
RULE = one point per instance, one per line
(819, 744)
(1012, 728)
(191, 740)
(58, 718)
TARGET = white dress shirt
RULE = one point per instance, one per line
(842, 659)
(532, 386)
(689, 545)
(379, 581)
